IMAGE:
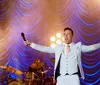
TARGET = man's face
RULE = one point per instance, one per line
(68, 36)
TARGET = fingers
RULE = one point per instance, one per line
(54, 81)
(27, 43)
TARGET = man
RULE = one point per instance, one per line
(67, 58)
(37, 69)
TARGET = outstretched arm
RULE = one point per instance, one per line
(40, 47)
(90, 47)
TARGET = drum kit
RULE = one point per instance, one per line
(33, 77)
(8, 79)
(35, 73)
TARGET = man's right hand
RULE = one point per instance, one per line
(27, 43)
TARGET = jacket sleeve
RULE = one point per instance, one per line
(42, 48)
(90, 47)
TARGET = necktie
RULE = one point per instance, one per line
(67, 50)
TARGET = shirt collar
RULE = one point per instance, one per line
(68, 44)
(71, 45)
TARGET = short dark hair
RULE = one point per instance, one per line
(67, 28)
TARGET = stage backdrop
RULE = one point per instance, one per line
(39, 20)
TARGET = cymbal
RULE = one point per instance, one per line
(11, 69)
(4, 67)
(37, 66)
(18, 72)
(8, 68)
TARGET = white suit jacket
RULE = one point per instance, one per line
(78, 47)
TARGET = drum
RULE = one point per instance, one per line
(14, 82)
(29, 76)
(48, 81)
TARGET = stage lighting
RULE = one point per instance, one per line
(53, 39)
(58, 35)
(58, 42)
(53, 45)
(57, 39)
